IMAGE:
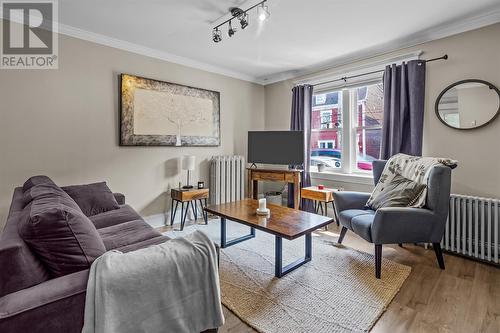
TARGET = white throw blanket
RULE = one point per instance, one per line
(415, 168)
(170, 287)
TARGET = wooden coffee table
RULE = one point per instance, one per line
(282, 223)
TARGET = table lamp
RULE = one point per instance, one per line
(188, 163)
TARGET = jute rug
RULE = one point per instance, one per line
(336, 292)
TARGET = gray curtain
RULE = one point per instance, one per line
(301, 121)
(404, 96)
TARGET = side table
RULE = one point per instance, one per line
(320, 198)
(190, 197)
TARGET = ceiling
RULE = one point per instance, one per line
(299, 37)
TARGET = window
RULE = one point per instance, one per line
(364, 109)
(326, 129)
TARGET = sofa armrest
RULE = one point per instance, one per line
(120, 198)
(350, 200)
(392, 225)
(56, 305)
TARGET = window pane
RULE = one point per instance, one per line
(370, 106)
(370, 112)
(368, 147)
(326, 134)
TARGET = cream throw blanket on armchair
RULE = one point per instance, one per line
(415, 168)
(170, 287)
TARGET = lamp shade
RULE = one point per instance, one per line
(188, 162)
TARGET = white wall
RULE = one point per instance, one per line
(474, 54)
(64, 123)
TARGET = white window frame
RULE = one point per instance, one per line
(348, 105)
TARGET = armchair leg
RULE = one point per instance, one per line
(342, 234)
(378, 260)
(439, 254)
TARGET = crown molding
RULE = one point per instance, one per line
(150, 52)
(428, 35)
(437, 32)
(64, 29)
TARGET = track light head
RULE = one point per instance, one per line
(231, 30)
(243, 20)
(263, 12)
(216, 35)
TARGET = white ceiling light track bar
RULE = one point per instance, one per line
(242, 16)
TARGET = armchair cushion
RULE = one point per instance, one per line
(398, 192)
(346, 216)
(362, 225)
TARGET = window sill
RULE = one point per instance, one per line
(355, 178)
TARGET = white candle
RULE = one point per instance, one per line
(262, 204)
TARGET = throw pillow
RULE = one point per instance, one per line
(57, 231)
(35, 180)
(93, 199)
(399, 192)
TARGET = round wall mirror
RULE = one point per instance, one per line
(468, 104)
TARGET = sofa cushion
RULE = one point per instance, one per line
(123, 214)
(46, 192)
(35, 180)
(347, 215)
(126, 233)
(92, 198)
(62, 237)
(19, 267)
(143, 244)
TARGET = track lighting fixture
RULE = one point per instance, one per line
(242, 16)
(216, 35)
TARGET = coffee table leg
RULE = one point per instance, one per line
(223, 235)
(279, 270)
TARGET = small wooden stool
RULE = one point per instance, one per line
(188, 196)
(320, 197)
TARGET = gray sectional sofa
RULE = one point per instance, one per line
(33, 296)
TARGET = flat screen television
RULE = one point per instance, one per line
(276, 147)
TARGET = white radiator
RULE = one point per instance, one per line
(472, 228)
(227, 179)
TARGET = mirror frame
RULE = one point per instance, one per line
(492, 86)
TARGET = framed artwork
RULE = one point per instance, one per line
(157, 113)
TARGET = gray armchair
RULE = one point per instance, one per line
(397, 225)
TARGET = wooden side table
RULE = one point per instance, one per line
(277, 175)
(190, 197)
(320, 197)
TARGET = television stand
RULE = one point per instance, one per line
(275, 175)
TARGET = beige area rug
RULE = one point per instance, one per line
(336, 292)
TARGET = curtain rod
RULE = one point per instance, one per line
(345, 78)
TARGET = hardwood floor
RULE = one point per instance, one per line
(463, 298)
